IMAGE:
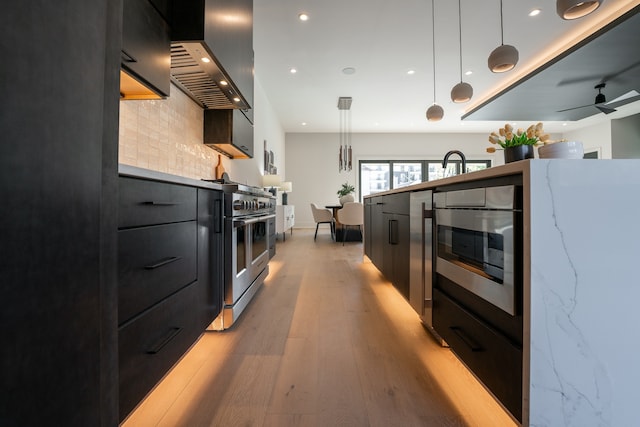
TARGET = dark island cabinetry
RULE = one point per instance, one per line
(387, 237)
(169, 278)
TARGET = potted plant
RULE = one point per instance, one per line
(517, 145)
(345, 193)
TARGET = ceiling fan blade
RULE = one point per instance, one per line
(575, 108)
(604, 109)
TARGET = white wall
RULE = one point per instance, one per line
(594, 138)
(625, 137)
(312, 161)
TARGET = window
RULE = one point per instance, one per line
(382, 175)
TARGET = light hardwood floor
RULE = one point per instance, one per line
(327, 341)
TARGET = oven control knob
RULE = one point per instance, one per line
(238, 205)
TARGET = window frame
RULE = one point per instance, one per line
(424, 165)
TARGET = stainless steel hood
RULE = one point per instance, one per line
(195, 70)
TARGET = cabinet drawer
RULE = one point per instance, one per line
(145, 202)
(492, 357)
(150, 346)
(396, 203)
(154, 262)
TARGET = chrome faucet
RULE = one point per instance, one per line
(446, 159)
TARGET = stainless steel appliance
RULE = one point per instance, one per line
(476, 241)
(247, 211)
(421, 257)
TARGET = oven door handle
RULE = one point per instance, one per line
(243, 222)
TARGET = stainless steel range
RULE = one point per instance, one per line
(247, 212)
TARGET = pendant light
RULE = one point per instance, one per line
(345, 154)
(435, 112)
(574, 9)
(504, 57)
(462, 92)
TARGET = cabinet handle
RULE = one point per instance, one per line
(393, 232)
(163, 262)
(171, 334)
(126, 57)
(470, 342)
(154, 203)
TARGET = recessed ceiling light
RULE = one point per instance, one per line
(223, 83)
(236, 99)
(303, 17)
(411, 72)
(348, 70)
(303, 123)
(564, 124)
(293, 71)
(468, 73)
(535, 12)
(205, 60)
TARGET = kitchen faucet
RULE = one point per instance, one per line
(446, 159)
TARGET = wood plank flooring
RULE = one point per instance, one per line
(327, 341)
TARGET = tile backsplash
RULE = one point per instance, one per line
(165, 136)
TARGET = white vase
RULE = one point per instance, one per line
(346, 199)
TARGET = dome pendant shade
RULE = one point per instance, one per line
(574, 9)
(435, 113)
(503, 58)
(462, 92)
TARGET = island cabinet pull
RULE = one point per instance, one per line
(470, 342)
(170, 335)
(163, 262)
(393, 232)
(155, 203)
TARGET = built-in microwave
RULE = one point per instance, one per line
(476, 245)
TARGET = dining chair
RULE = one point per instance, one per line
(322, 216)
(350, 214)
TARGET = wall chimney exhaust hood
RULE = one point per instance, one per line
(196, 68)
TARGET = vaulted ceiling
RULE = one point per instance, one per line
(382, 41)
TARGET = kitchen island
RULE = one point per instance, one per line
(580, 241)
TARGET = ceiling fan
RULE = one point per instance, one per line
(598, 103)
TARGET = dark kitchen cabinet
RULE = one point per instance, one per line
(494, 359)
(146, 48)
(387, 228)
(229, 131)
(395, 263)
(374, 230)
(169, 278)
(58, 186)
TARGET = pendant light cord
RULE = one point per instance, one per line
(501, 25)
(433, 42)
(460, 34)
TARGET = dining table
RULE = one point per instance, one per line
(354, 235)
